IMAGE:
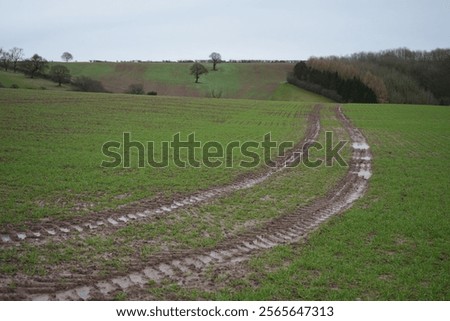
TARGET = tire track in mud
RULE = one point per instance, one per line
(40, 232)
(188, 267)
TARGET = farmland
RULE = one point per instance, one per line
(392, 243)
(56, 138)
(231, 80)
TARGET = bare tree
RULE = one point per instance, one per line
(198, 69)
(5, 59)
(16, 55)
(216, 59)
(67, 56)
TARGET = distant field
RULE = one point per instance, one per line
(231, 80)
(290, 92)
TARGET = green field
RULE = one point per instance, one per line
(231, 80)
(51, 146)
(8, 79)
(393, 244)
(288, 92)
(52, 169)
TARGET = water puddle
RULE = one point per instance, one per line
(51, 232)
(360, 146)
(5, 238)
(137, 278)
(105, 287)
(112, 221)
(21, 236)
(166, 269)
(83, 292)
(123, 282)
(69, 295)
(76, 227)
(152, 274)
(366, 174)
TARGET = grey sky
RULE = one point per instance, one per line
(245, 29)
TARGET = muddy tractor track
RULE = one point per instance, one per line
(187, 267)
(103, 222)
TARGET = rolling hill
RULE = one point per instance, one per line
(232, 80)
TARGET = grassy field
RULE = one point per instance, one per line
(8, 79)
(394, 244)
(51, 146)
(231, 80)
(75, 128)
(288, 92)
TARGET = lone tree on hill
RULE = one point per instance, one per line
(60, 74)
(67, 56)
(198, 69)
(216, 59)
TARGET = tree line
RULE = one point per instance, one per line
(36, 66)
(395, 76)
(331, 84)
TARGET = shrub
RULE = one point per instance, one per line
(87, 84)
(15, 86)
(216, 93)
(135, 89)
(60, 74)
(152, 93)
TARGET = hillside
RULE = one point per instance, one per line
(231, 80)
(256, 80)
(19, 80)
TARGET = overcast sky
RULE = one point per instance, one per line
(242, 29)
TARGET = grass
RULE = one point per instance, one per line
(87, 69)
(193, 228)
(8, 79)
(394, 244)
(51, 146)
(290, 92)
(231, 80)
